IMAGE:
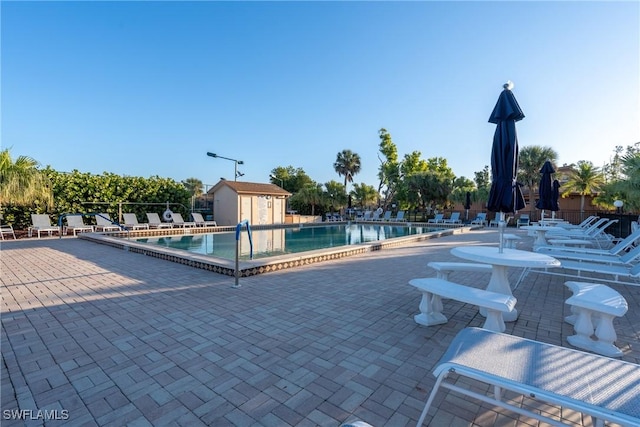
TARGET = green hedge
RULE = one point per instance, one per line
(78, 192)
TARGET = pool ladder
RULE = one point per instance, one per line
(238, 230)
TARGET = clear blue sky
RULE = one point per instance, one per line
(142, 88)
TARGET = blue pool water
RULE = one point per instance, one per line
(281, 241)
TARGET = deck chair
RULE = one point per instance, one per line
(387, 216)
(154, 221)
(104, 223)
(627, 258)
(200, 221)
(131, 221)
(583, 225)
(180, 222)
(8, 230)
(453, 219)
(366, 216)
(629, 241)
(480, 219)
(400, 217)
(523, 220)
(375, 216)
(42, 223)
(436, 219)
(76, 224)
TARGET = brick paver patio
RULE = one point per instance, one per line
(100, 336)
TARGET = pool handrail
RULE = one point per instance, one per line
(238, 230)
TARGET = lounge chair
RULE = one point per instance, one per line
(400, 217)
(617, 249)
(439, 218)
(104, 223)
(154, 221)
(386, 217)
(480, 219)
(366, 216)
(76, 224)
(583, 225)
(131, 221)
(627, 258)
(523, 220)
(8, 230)
(375, 216)
(180, 222)
(595, 233)
(200, 221)
(42, 223)
(453, 219)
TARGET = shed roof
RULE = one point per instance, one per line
(241, 187)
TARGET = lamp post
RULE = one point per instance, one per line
(237, 162)
(275, 177)
(619, 204)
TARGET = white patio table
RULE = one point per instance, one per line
(500, 262)
(540, 231)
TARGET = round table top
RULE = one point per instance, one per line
(541, 228)
(508, 257)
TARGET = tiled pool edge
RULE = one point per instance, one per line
(253, 267)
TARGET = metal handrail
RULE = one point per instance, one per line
(238, 230)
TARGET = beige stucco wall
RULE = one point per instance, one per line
(229, 208)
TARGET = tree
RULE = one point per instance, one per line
(389, 169)
(348, 165)
(194, 186)
(22, 183)
(311, 195)
(432, 188)
(335, 194)
(293, 179)
(364, 195)
(624, 184)
(531, 160)
(585, 179)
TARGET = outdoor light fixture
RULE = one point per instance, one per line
(619, 204)
(281, 180)
(237, 162)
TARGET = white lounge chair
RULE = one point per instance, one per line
(480, 219)
(375, 216)
(583, 225)
(76, 224)
(400, 217)
(180, 222)
(200, 221)
(8, 230)
(42, 223)
(453, 219)
(366, 216)
(523, 220)
(437, 219)
(155, 222)
(627, 258)
(104, 223)
(131, 221)
(386, 217)
(617, 249)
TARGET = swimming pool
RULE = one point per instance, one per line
(282, 241)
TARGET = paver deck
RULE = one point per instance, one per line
(100, 336)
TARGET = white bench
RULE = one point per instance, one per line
(594, 306)
(444, 268)
(510, 240)
(605, 389)
(433, 289)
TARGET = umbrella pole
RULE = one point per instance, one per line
(501, 227)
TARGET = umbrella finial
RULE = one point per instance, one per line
(508, 85)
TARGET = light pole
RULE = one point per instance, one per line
(281, 180)
(619, 204)
(237, 162)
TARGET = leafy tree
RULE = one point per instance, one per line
(432, 188)
(22, 183)
(531, 160)
(461, 186)
(293, 179)
(309, 196)
(335, 194)
(585, 179)
(626, 186)
(389, 169)
(364, 195)
(347, 164)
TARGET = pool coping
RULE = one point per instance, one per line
(120, 240)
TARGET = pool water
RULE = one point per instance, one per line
(282, 241)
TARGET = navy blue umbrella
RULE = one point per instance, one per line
(467, 204)
(505, 195)
(545, 190)
(555, 206)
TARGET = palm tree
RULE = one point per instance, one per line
(194, 185)
(348, 165)
(585, 179)
(310, 195)
(531, 159)
(22, 183)
(364, 195)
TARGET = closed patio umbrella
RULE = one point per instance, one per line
(555, 205)
(545, 190)
(505, 195)
(467, 205)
